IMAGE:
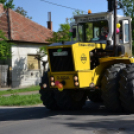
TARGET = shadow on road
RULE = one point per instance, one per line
(29, 113)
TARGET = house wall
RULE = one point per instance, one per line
(21, 76)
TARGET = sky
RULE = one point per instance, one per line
(38, 9)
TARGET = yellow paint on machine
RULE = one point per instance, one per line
(125, 60)
(81, 55)
(85, 78)
(81, 60)
(68, 77)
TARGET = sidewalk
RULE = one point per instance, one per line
(23, 93)
(2, 89)
(7, 88)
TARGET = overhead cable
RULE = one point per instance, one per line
(62, 6)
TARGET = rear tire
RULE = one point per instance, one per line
(70, 99)
(47, 96)
(110, 87)
(127, 88)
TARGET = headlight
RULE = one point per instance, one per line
(44, 85)
(76, 83)
(75, 78)
(52, 78)
(92, 85)
(52, 84)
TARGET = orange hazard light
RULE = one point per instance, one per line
(89, 11)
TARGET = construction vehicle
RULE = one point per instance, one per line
(97, 64)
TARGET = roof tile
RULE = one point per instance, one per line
(24, 29)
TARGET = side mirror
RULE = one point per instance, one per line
(74, 33)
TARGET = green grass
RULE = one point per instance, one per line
(10, 91)
(17, 100)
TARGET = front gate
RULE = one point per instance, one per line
(3, 75)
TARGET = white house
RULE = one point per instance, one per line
(28, 37)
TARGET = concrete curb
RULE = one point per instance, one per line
(29, 106)
(9, 88)
(23, 93)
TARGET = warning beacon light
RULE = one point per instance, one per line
(89, 11)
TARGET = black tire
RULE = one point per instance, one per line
(47, 96)
(95, 96)
(70, 99)
(127, 88)
(110, 87)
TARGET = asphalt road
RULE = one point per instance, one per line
(92, 119)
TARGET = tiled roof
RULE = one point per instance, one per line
(4, 24)
(23, 29)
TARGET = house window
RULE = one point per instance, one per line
(32, 62)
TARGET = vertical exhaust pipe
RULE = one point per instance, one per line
(115, 21)
(112, 6)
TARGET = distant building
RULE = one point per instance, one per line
(28, 37)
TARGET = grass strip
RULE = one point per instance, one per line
(10, 91)
(20, 100)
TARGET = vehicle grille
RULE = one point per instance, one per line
(61, 63)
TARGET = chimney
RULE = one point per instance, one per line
(1, 8)
(49, 23)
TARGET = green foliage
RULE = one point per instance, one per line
(61, 35)
(78, 12)
(7, 4)
(89, 31)
(64, 28)
(43, 50)
(41, 53)
(22, 12)
(55, 38)
(63, 32)
(5, 47)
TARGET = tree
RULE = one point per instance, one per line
(22, 12)
(78, 12)
(5, 47)
(7, 4)
(40, 54)
(61, 35)
(63, 32)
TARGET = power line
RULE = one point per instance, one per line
(61, 5)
